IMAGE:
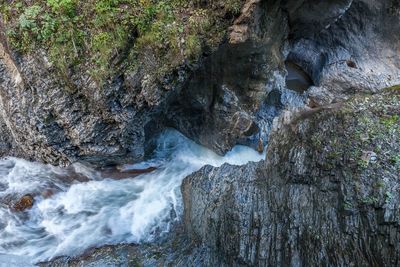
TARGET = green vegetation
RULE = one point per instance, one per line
(347, 205)
(361, 138)
(107, 35)
(395, 160)
(388, 197)
(390, 121)
(380, 185)
(370, 200)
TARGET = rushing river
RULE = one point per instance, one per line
(81, 215)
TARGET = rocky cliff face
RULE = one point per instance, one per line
(226, 98)
(346, 46)
(60, 121)
(326, 195)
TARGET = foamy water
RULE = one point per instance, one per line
(100, 212)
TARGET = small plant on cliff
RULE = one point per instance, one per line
(390, 121)
(234, 6)
(63, 6)
(28, 19)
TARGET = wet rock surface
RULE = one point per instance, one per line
(171, 250)
(24, 203)
(115, 173)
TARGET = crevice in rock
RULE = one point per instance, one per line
(297, 79)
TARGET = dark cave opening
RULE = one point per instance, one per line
(297, 79)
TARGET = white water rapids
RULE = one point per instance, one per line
(89, 214)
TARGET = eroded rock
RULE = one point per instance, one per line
(344, 46)
(125, 174)
(314, 201)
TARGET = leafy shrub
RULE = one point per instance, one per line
(234, 6)
(27, 20)
(193, 47)
(63, 6)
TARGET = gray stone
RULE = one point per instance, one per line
(312, 202)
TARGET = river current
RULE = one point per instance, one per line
(96, 212)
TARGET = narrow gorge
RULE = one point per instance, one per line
(200, 133)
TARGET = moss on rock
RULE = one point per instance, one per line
(360, 137)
